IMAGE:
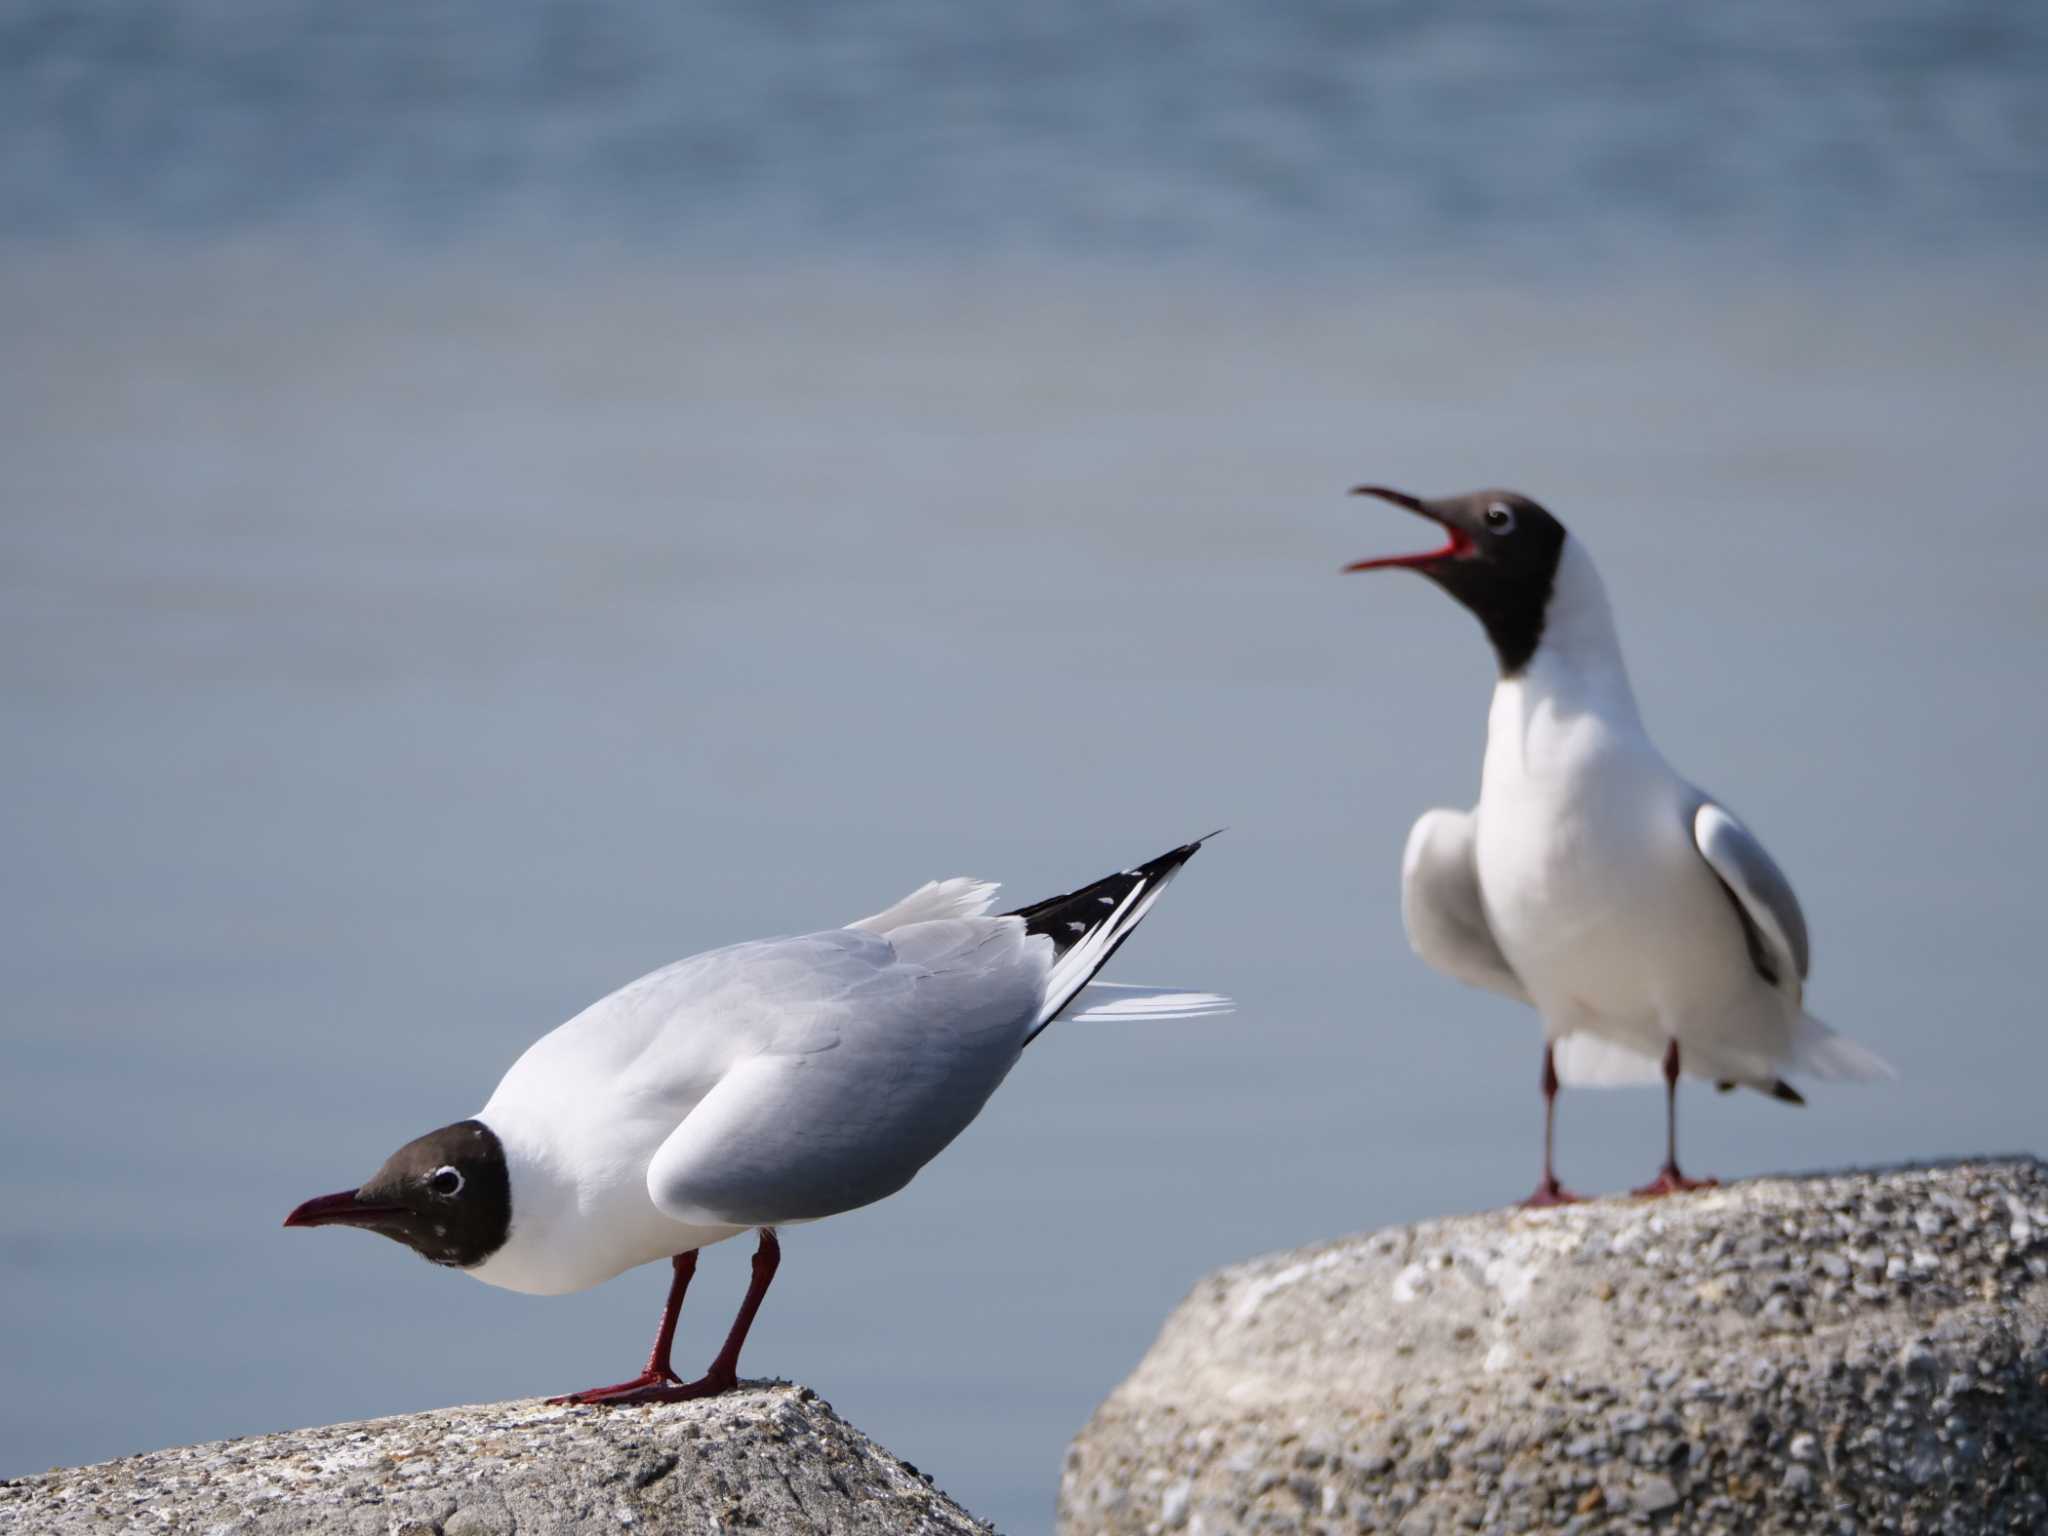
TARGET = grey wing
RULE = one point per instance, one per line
(1441, 906)
(1772, 924)
(862, 1087)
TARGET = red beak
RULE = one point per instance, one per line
(342, 1210)
(1458, 546)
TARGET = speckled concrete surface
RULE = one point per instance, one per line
(1865, 1352)
(766, 1458)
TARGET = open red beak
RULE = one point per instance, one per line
(1457, 548)
(342, 1210)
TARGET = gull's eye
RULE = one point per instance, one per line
(1500, 518)
(445, 1181)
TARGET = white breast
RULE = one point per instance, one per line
(1586, 866)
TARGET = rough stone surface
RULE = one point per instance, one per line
(1856, 1353)
(766, 1458)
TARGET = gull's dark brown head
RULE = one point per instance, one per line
(447, 1196)
(1499, 559)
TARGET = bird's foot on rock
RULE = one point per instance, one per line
(1670, 1181)
(1550, 1193)
(651, 1387)
(623, 1391)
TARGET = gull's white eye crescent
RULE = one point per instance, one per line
(445, 1181)
(1500, 517)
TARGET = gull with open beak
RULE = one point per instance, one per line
(1646, 925)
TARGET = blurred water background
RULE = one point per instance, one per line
(496, 497)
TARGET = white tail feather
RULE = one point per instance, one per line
(1820, 1052)
(1119, 1000)
(931, 902)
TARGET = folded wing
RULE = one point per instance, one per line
(877, 1043)
(1774, 929)
(844, 1107)
(1441, 909)
(1772, 924)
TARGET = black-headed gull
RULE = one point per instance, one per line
(755, 1086)
(1645, 923)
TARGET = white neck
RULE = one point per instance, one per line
(1577, 675)
(580, 1208)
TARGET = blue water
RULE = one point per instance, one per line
(1269, 135)
(494, 498)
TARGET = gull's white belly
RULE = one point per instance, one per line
(1602, 905)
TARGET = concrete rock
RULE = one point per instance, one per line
(765, 1458)
(1865, 1351)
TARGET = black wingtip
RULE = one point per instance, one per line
(1173, 858)
(1109, 909)
(1066, 918)
(1161, 867)
(1780, 1090)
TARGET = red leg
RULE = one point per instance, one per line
(724, 1372)
(658, 1372)
(1549, 1192)
(658, 1384)
(1669, 1180)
